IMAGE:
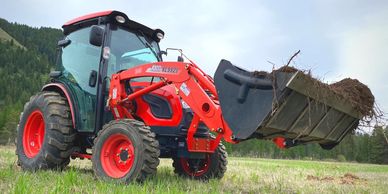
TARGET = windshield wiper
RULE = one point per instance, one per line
(147, 44)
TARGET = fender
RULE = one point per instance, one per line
(58, 87)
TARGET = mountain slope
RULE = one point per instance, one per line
(42, 40)
(26, 56)
(4, 36)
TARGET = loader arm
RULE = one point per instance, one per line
(195, 87)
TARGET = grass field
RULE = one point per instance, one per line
(244, 175)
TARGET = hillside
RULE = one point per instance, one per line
(26, 56)
(4, 36)
(43, 40)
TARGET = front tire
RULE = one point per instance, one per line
(212, 166)
(45, 134)
(124, 151)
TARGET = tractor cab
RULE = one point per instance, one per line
(96, 46)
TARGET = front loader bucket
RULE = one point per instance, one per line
(282, 104)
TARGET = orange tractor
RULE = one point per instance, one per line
(112, 99)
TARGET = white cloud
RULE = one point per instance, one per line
(363, 54)
(216, 30)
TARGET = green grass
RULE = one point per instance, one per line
(244, 175)
(5, 36)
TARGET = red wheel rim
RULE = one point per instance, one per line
(117, 155)
(203, 168)
(33, 134)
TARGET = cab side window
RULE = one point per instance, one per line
(80, 58)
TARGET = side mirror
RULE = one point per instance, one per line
(63, 43)
(163, 53)
(96, 35)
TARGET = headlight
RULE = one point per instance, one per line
(159, 35)
(120, 19)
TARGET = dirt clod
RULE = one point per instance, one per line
(327, 178)
(351, 176)
(351, 179)
(313, 178)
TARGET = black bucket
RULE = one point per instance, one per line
(282, 104)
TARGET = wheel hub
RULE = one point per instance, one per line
(33, 135)
(195, 167)
(118, 156)
(124, 155)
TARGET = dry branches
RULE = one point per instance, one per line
(292, 58)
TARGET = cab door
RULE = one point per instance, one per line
(79, 63)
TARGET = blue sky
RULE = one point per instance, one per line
(337, 39)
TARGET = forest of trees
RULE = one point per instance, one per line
(358, 147)
(23, 71)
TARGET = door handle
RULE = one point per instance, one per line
(93, 78)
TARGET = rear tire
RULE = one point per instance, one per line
(45, 133)
(213, 166)
(125, 151)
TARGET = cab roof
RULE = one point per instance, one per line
(109, 16)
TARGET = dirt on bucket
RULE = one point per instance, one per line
(353, 90)
(287, 69)
(260, 73)
(357, 93)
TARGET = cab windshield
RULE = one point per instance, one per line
(129, 49)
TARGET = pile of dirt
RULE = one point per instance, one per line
(327, 178)
(357, 93)
(287, 69)
(348, 178)
(260, 73)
